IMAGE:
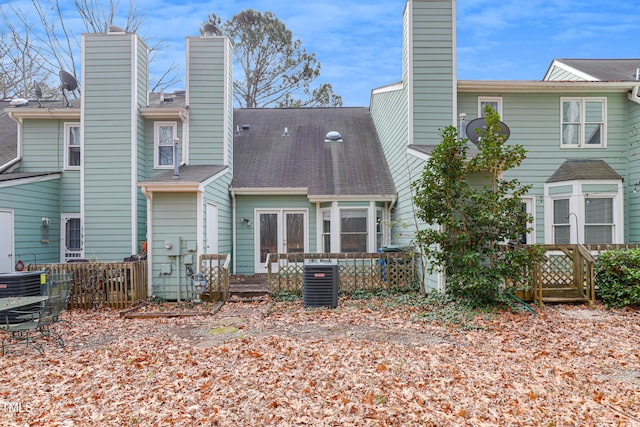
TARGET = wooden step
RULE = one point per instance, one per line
(247, 291)
(564, 299)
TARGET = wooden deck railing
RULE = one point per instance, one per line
(366, 271)
(113, 284)
(215, 268)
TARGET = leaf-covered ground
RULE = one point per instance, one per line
(366, 363)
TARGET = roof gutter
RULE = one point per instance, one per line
(534, 86)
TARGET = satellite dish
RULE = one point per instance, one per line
(480, 124)
(67, 82)
(38, 90)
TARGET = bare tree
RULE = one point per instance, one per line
(37, 44)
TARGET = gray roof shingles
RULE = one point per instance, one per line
(190, 173)
(606, 70)
(572, 170)
(264, 158)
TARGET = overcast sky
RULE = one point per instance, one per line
(358, 42)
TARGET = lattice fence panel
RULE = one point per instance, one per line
(557, 271)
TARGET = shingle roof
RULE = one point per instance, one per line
(583, 169)
(8, 135)
(606, 70)
(265, 158)
(190, 173)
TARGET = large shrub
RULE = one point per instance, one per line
(618, 277)
(473, 210)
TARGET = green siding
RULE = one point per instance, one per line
(218, 194)
(174, 220)
(389, 112)
(562, 189)
(208, 90)
(632, 205)
(112, 126)
(30, 202)
(433, 68)
(599, 188)
(534, 122)
(43, 145)
(245, 208)
(561, 74)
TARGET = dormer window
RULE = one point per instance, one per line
(163, 136)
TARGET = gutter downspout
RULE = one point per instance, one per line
(633, 96)
(149, 197)
(234, 249)
(18, 157)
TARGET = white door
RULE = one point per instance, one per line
(212, 229)
(6, 241)
(279, 231)
(71, 246)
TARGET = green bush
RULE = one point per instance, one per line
(618, 277)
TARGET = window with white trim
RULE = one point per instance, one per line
(72, 146)
(326, 231)
(353, 230)
(583, 122)
(598, 220)
(163, 136)
(494, 101)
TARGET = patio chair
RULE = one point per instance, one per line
(30, 326)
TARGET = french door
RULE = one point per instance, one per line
(279, 231)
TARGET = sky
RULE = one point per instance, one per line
(358, 42)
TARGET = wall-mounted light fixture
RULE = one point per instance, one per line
(635, 187)
(245, 221)
(44, 230)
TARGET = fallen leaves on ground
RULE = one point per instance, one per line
(363, 364)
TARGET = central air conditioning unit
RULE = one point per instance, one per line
(320, 285)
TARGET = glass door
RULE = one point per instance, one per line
(279, 231)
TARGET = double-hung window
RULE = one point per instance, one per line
(326, 231)
(353, 230)
(598, 220)
(164, 135)
(583, 122)
(72, 146)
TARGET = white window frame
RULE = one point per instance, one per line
(374, 229)
(156, 142)
(577, 199)
(366, 232)
(582, 123)
(322, 233)
(489, 100)
(67, 145)
(589, 197)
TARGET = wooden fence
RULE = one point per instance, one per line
(215, 269)
(356, 271)
(567, 273)
(93, 284)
